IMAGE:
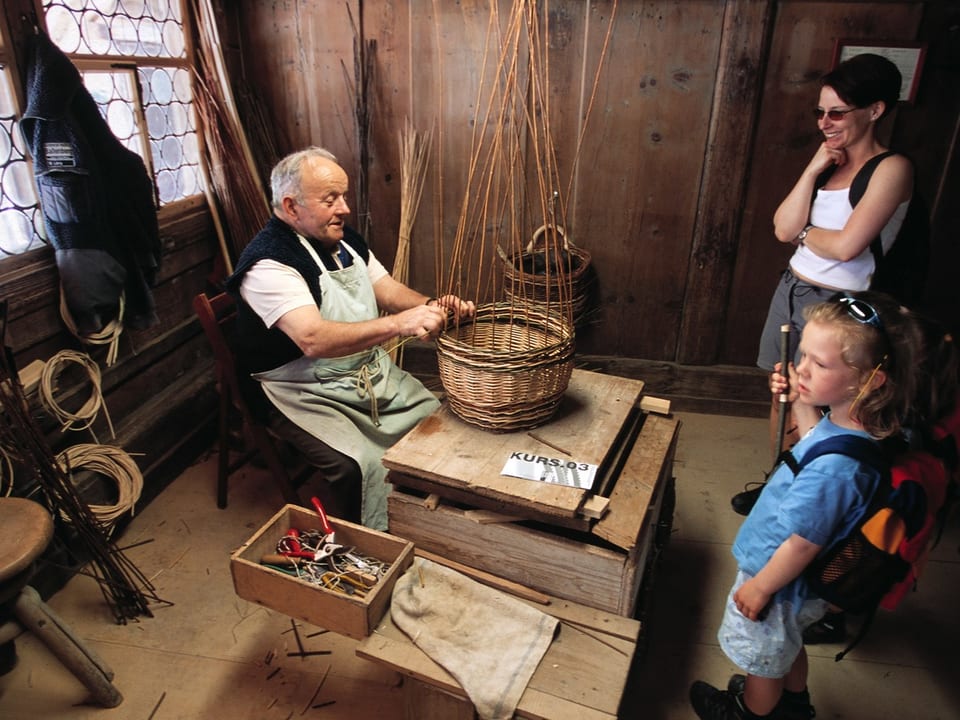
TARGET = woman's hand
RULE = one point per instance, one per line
(825, 157)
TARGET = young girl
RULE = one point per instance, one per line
(857, 359)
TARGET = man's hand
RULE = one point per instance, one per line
(461, 309)
(422, 321)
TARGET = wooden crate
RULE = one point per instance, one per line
(347, 615)
(447, 456)
(596, 562)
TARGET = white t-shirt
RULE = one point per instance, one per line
(830, 211)
(273, 289)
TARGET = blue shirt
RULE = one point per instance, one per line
(821, 504)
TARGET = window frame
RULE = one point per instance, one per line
(22, 15)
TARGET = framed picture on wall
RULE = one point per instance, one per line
(908, 57)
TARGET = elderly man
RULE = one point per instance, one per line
(310, 298)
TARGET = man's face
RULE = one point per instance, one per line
(319, 214)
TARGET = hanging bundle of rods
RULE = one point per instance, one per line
(518, 349)
(414, 152)
(514, 181)
(126, 590)
(234, 178)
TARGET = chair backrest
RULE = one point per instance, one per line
(217, 315)
(214, 314)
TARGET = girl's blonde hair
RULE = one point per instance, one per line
(890, 343)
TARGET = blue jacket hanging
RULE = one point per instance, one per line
(97, 199)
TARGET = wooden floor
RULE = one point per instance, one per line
(209, 654)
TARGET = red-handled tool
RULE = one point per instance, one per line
(324, 523)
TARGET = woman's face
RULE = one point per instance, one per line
(850, 128)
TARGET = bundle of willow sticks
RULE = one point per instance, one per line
(126, 590)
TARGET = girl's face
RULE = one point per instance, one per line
(824, 379)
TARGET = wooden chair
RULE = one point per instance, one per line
(217, 313)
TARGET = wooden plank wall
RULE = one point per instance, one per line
(699, 126)
(159, 394)
(785, 140)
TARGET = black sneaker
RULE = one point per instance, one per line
(712, 704)
(743, 502)
(792, 706)
(831, 628)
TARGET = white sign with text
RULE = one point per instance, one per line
(556, 471)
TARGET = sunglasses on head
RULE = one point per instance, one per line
(861, 311)
(834, 115)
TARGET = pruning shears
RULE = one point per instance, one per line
(329, 534)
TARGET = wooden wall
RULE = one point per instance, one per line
(699, 126)
(159, 394)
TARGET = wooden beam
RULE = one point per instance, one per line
(743, 50)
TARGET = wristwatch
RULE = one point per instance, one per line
(803, 235)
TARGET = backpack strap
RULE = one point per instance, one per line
(860, 181)
(859, 448)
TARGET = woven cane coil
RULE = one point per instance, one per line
(532, 276)
(508, 368)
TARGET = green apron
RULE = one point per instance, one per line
(360, 404)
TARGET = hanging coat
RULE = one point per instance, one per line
(97, 199)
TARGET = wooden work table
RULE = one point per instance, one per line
(583, 674)
(587, 546)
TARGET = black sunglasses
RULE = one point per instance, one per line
(834, 115)
(861, 311)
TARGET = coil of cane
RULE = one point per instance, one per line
(527, 279)
(109, 335)
(6, 473)
(83, 418)
(508, 368)
(112, 462)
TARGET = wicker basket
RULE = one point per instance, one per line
(532, 275)
(508, 368)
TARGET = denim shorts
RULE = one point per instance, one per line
(766, 648)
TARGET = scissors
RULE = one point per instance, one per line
(324, 522)
(291, 546)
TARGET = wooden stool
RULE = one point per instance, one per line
(25, 531)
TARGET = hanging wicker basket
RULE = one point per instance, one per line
(508, 368)
(534, 275)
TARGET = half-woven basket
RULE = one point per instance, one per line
(509, 367)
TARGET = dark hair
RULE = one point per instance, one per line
(938, 382)
(865, 79)
(892, 345)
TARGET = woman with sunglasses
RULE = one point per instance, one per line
(832, 238)
(858, 357)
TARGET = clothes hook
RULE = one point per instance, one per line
(31, 20)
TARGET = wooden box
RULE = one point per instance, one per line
(450, 498)
(347, 615)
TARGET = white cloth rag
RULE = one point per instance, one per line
(489, 641)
